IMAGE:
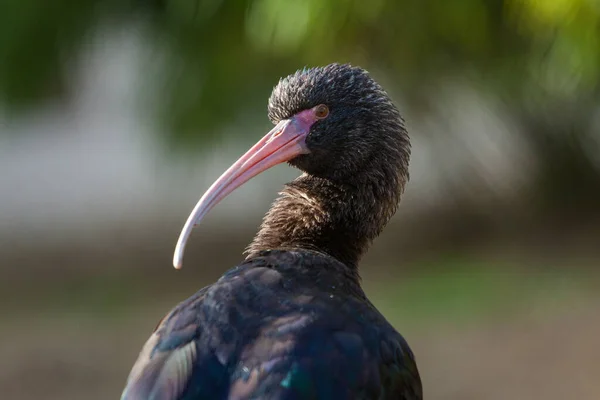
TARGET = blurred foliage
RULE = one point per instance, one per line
(226, 52)
(541, 57)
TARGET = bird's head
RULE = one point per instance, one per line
(346, 120)
(333, 122)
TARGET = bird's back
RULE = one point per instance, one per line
(283, 325)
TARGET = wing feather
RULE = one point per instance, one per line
(160, 375)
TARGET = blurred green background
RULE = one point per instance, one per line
(116, 115)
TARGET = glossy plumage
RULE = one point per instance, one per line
(321, 339)
(292, 321)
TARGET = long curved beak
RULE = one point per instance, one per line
(284, 142)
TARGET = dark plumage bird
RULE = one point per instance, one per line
(291, 321)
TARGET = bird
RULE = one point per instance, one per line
(292, 321)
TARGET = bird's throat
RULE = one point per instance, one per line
(339, 219)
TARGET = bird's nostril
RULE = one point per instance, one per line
(275, 135)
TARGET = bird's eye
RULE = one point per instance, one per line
(321, 111)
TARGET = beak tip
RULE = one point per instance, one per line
(177, 260)
(180, 246)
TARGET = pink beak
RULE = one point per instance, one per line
(284, 142)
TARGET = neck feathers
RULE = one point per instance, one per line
(340, 219)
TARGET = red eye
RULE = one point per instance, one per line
(321, 111)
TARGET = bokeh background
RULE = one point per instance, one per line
(116, 115)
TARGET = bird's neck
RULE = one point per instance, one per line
(339, 219)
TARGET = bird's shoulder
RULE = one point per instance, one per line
(282, 323)
(328, 342)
